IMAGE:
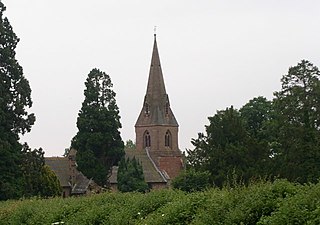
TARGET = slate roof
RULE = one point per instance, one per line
(81, 185)
(151, 175)
(60, 165)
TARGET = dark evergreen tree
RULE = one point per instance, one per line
(228, 151)
(130, 176)
(297, 107)
(257, 113)
(38, 179)
(14, 119)
(98, 141)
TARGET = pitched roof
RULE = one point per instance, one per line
(60, 165)
(156, 107)
(151, 174)
(81, 185)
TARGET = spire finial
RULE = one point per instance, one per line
(155, 31)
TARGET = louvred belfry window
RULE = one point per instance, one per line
(147, 139)
(167, 139)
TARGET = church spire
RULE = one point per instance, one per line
(156, 87)
(156, 107)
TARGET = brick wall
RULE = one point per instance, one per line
(157, 134)
(172, 165)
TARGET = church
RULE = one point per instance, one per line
(156, 131)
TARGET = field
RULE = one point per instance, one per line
(280, 202)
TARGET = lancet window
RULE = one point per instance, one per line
(147, 139)
(167, 139)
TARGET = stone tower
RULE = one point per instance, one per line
(157, 128)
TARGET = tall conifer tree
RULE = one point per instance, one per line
(297, 105)
(14, 119)
(98, 140)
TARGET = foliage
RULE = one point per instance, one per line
(279, 138)
(191, 180)
(228, 150)
(15, 99)
(297, 107)
(14, 90)
(130, 176)
(49, 183)
(98, 141)
(38, 179)
(130, 145)
(280, 202)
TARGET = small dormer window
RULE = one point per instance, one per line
(167, 108)
(147, 109)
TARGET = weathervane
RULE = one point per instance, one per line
(155, 30)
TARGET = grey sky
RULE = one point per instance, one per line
(213, 54)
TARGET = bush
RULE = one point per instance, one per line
(191, 180)
(263, 203)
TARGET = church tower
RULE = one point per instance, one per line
(157, 128)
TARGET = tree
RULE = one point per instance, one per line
(130, 145)
(38, 179)
(98, 141)
(228, 150)
(49, 183)
(130, 176)
(15, 98)
(256, 115)
(297, 107)
(220, 151)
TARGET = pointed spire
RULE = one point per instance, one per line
(156, 87)
(156, 107)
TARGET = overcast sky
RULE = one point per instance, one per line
(214, 54)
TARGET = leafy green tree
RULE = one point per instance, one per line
(192, 180)
(38, 179)
(15, 98)
(220, 151)
(227, 150)
(49, 183)
(32, 163)
(256, 115)
(298, 100)
(297, 107)
(130, 176)
(98, 141)
(130, 145)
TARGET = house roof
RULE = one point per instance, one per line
(81, 185)
(151, 175)
(60, 165)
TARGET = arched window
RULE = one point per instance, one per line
(147, 139)
(167, 139)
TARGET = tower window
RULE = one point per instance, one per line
(167, 139)
(147, 139)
